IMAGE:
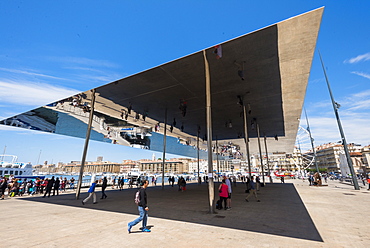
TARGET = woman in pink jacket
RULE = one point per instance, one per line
(223, 190)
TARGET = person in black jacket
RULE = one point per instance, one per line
(56, 186)
(143, 208)
(49, 186)
(3, 187)
(103, 187)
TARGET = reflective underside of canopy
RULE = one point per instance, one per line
(269, 68)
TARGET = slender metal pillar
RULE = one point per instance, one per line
(260, 150)
(344, 142)
(199, 179)
(209, 135)
(267, 160)
(164, 146)
(218, 162)
(79, 184)
(312, 145)
(246, 139)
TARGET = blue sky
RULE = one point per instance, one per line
(53, 49)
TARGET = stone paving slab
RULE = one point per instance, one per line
(291, 214)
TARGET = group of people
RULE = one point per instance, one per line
(118, 183)
(181, 182)
(253, 185)
(315, 179)
(18, 187)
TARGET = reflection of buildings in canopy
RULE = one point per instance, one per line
(117, 130)
(137, 137)
(32, 120)
(266, 71)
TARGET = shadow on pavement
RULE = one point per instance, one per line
(280, 212)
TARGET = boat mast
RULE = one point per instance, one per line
(2, 159)
(38, 159)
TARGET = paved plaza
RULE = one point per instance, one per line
(289, 215)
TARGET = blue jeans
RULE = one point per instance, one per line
(143, 217)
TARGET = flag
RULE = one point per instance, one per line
(218, 51)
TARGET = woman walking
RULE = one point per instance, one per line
(223, 190)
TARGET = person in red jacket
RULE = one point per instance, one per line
(223, 190)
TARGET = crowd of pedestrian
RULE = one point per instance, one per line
(13, 186)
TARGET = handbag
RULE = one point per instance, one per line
(247, 191)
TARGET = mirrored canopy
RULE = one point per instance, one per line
(268, 69)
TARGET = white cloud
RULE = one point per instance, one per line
(84, 61)
(325, 129)
(29, 73)
(362, 94)
(354, 115)
(102, 78)
(30, 93)
(317, 81)
(362, 74)
(80, 68)
(321, 105)
(358, 101)
(362, 57)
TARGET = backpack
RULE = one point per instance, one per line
(137, 197)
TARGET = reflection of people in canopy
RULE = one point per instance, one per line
(183, 106)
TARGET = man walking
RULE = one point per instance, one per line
(91, 193)
(103, 187)
(252, 190)
(141, 201)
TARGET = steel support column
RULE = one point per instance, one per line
(267, 160)
(246, 138)
(164, 146)
(260, 150)
(86, 144)
(199, 179)
(209, 135)
(218, 162)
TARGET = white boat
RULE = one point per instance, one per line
(12, 167)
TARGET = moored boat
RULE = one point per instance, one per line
(13, 167)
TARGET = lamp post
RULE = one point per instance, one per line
(344, 142)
